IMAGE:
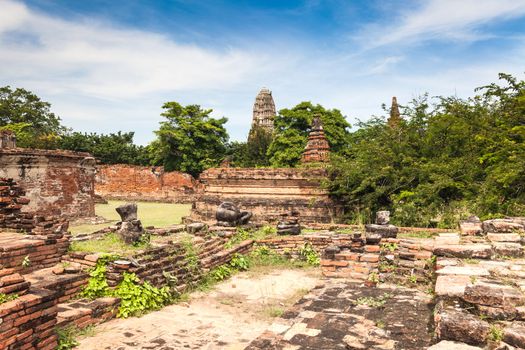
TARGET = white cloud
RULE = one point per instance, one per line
(94, 59)
(442, 19)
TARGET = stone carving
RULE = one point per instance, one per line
(127, 211)
(229, 215)
(130, 228)
(289, 224)
(263, 110)
(317, 148)
(383, 217)
(381, 227)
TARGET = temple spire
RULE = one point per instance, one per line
(317, 148)
(263, 110)
(395, 116)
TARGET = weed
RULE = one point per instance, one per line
(473, 279)
(4, 298)
(391, 247)
(495, 333)
(308, 254)
(239, 262)
(274, 311)
(412, 279)
(374, 302)
(380, 324)
(67, 336)
(26, 262)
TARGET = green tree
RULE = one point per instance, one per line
(257, 146)
(291, 133)
(22, 107)
(189, 140)
(115, 148)
(442, 162)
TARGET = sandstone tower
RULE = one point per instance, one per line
(317, 148)
(263, 110)
(395, 116)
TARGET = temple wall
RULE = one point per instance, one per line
(130, 182)
(55, 182)
(266, 192)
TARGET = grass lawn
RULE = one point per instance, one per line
(150, 213)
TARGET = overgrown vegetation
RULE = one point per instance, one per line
(135, 297)
(446, 159)
(67, 336)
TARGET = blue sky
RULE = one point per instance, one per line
(110, 65)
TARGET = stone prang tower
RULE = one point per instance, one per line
(263, 110)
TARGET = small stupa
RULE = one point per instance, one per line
(317, 148)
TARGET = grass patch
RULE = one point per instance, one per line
(150, 213)
(110, 244)
(273, 311)
(416, 234)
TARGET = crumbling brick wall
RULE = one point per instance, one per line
(56, 182)
(267, 193)
(130, 182)
(47, 238)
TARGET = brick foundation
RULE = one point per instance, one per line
(267, 193)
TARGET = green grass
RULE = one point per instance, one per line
(150, 213)
(111, 244)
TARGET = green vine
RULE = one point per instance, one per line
(136, 298)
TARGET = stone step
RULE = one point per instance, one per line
(476, 251)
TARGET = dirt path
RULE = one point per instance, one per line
(230, 317)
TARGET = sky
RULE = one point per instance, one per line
(110, 65)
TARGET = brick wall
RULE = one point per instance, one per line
(56, 182)
(267, 193)
(129, 182)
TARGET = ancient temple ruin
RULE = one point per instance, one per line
(395, 116)
(317, 148)
(55, 181)
(263, 111)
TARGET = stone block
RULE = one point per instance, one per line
(514, 250)
(502, 226)
(515, 335)
(461, 326)
(504, 237)
(479, 251)
(493, 294)
(386, 231)
(451, 285)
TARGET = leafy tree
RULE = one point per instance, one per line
(29, 117)
(441, 162)
(291, 132)
(115, 148)
(189, 140)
